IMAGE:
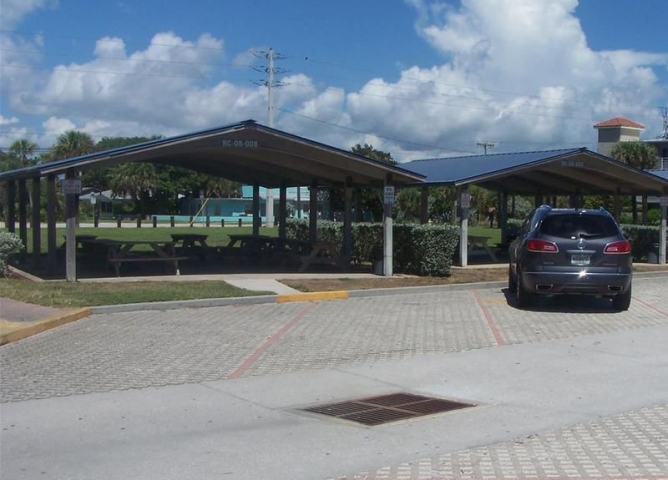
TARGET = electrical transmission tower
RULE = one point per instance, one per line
(485, 146)
(664, 132)
(270, 83)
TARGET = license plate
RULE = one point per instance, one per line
(580, 259)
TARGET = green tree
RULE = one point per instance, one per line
(136, 180)
(72, 144)
(24, 149)
(97, 178)
(639, 155)
(371, 199)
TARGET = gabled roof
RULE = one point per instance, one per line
(246, 152)
(550, 172)
(619, 122)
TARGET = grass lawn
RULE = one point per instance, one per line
(64, 294)
(218, 236)
(81, 294)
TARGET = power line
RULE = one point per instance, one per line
(485, 145)
(394, 139)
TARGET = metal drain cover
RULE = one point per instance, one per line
(387, 408)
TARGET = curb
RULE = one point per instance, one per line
(315, 296)
(38, 326)
(268, 299)
(312, 296)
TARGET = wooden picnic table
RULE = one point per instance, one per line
(253, 243)
(192, 242)
(120, 251)
(287, 249)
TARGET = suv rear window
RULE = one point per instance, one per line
(576, 226)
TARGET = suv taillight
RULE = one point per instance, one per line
(542, 246)
(622, 246)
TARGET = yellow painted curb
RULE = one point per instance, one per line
(33, 328)
(312, 296)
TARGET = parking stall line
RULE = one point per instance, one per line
(489, 319)
(257, 353)
(649, 305)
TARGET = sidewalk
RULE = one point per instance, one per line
(19, 320)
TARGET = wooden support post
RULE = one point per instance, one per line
(464, 230)
(347, 219)
(11, 207)
(257, 219)
(282, 210)
(36, 222)
(424, 205)
(313, 212)
(388, 267)
(23, 214)
(359, 217)
(51, 223)
(71, 228)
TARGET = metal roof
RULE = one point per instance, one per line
(556, 172)
(659, 173)
(246, 152)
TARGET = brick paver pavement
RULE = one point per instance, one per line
(142, 349)
(156, 348)
(631, 446)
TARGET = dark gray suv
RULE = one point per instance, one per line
(570, 251)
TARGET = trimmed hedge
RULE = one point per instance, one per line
(644, 239)
(10, 244)
(418, 249)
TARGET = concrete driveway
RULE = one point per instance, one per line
(570, 389)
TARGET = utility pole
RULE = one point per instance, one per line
(485, 146)
(664, 132)
(270, 70)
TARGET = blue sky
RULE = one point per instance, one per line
(418, 78)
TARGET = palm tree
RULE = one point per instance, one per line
(136, 180)
(639, 155)
(220, 187)
(72, 144)
(23, 149)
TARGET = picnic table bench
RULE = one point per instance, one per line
(322, 253)
(284, 250)
(119, 252)
(192, 244)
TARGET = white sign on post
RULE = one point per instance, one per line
(389, 194)
(465, 200)
(71, 186)
(663, 201)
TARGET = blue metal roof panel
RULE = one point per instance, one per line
(659, 173)
(453, 170)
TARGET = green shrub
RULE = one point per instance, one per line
(10, 244)
(643, 240)
(417, 249)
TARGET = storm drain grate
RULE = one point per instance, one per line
(387, 408)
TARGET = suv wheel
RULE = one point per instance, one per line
(622, 301)
(512, 281)
(524, 298)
